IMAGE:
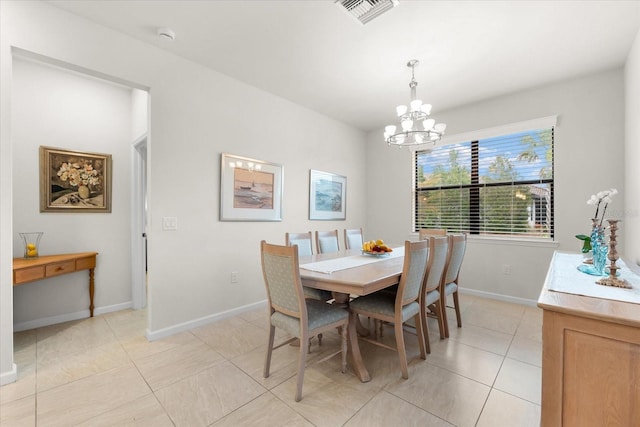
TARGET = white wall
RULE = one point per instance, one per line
(589, 147)
(631, 226)
(195, 114)
(58, 108)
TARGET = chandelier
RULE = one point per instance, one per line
(416, 126)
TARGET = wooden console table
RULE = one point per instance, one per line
(44, 267)
(590, 355)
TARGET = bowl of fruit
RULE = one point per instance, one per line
(375, 248)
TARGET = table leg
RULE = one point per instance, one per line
(354, 351)
(91, 291)
(342, 300)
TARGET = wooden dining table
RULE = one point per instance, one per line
(359, 280)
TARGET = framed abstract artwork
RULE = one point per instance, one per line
(250, 189)
(327, 196)
(74, 181)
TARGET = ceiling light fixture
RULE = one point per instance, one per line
(417, 127)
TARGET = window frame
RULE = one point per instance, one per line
(473, 138)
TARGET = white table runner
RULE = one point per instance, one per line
(330, 265)
(566, 278)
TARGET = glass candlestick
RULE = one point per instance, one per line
(31, 243)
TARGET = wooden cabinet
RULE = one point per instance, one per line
(591, 356)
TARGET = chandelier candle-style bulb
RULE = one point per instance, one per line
(416, 126)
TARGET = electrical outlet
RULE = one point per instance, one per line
(506, 269)
(234, 277)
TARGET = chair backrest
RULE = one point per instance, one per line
(457, 247)
(327, 241)
(303, 240)
(436, 263)
(426, 232)
(413, 271)
(353, 238)
(280, 269)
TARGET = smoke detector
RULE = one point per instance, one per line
(166, 34)
(366, 10)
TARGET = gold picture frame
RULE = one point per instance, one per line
(74, 181)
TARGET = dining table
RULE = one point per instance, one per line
(350, 273)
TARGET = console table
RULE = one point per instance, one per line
(590, 354)
(44, 267)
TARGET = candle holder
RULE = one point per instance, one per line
(31, 243)
(612, 280)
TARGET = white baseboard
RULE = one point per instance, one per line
(9, 377)
(181, 327)
(67, 317)
(499, 297)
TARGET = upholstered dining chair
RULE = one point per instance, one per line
(327, 241)
(353, 238)
(303, 240)
(403, 305)
(431, 301)
(290, 311)
(449, 286)
(426, 232)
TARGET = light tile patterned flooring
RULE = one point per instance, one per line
(103, 372)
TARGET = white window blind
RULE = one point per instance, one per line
(495, 186)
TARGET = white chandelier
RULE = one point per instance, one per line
(417, 127)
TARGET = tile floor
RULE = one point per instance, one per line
(103, 372)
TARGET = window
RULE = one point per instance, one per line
(493, 186)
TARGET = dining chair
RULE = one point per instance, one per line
(449, 285)
(353, 238)
(431, 301)
(426, 232)
(303, 240)
(327, 241)
(305, 248)
(290, 311)
(402, 306)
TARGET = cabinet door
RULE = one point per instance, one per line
(602, 381)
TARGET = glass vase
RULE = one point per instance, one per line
(599, 250)
(31, 243)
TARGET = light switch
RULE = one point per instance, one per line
(169, 223)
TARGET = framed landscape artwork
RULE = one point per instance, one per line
(250, 189)
(74, 181)
(327, 196)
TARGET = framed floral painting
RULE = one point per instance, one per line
(74, 181)
(250, 189)
(327, 196)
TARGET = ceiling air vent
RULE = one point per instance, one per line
(366, 10)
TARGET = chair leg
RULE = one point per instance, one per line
(402, 352)
(302, 358)
(445, 320)
(425, 331)
(456, 304)
(420, 322)
(344, 348)
(267, 362)
(439, 312)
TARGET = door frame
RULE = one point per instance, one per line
(138, 223)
